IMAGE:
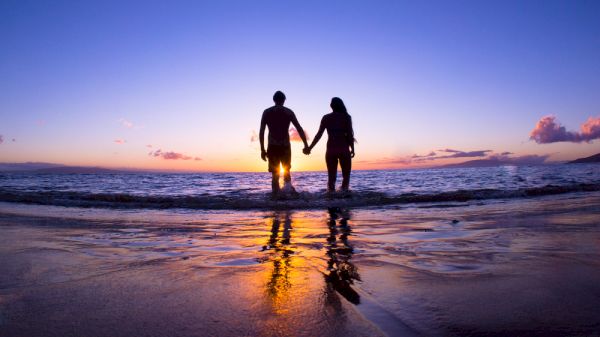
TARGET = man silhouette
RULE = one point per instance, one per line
(278, 119)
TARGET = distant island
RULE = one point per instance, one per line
(591, 159)
(76, 170)
(500, 161)
(53, 168)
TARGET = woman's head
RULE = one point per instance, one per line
(337, 105)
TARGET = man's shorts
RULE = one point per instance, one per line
(279, 154)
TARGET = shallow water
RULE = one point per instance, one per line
(251, 190)
(526, 266)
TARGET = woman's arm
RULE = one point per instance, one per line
(318, 135)
(350, 136)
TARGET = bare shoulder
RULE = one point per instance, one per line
(288, 110)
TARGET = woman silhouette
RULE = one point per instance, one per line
(340, 144)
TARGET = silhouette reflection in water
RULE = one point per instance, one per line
(341, 273)
(293, 261)
(279, 282)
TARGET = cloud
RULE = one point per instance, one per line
(430, 154)
(450, 150)
(171, 155)
(149, 146)
(128, 124)
(452, 154)
(463, 154)
(487, 156)
(253, 136)
(295, 136)
(120, 141)
(13, 140)
(1, 139)
(549, 130)
(495, 159)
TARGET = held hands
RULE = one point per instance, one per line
(306, 150)
(263, 155)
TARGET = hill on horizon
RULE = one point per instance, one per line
(500, 161)
(39, 167)
(591, 159)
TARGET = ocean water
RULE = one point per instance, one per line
(439, 252)
(252, 190)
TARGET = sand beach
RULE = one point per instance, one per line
(505, 267)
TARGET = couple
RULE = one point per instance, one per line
(340, 145)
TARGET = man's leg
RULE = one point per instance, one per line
(287, 175)
(346, 164)
(275, 182)
(331, 162)
(274, 159)
(286, 163)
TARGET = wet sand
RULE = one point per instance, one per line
(526, 267)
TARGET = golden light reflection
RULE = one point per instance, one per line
(281, 276)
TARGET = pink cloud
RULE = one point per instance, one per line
(450, 150)
(549, 130)
(430, 154)
(120, 141)
(463, 154)
(452, 154)
(1, 139)
(149, 146)
(591, 129)
(493, 159)
(295, 136)
(171, 155)
(484, 155)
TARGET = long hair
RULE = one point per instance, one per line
(338, 106)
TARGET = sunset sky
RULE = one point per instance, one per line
(182, 85)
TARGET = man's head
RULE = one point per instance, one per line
(279, 97)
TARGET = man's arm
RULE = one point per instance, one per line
(261, 137)
(299, 129)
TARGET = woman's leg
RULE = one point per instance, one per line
(331, 161)
(346, 164)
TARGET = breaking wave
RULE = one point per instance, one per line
(304, 200)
